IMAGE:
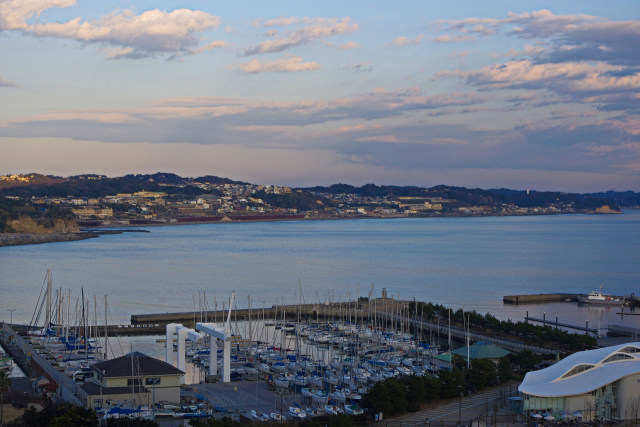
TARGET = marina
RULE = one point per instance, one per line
(314, 344)
(288, 361)
(284, 362)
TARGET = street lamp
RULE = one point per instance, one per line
(11, 310)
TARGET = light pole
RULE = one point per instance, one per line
(460, 406)
(11, 310)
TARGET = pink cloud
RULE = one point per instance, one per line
(350, 45)
(286, 64)
(405, 41)
(449, 39)
(126, 34)
(311, 29)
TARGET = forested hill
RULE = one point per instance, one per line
(624, 199)
(546, 198)
(479, 197)
(90, 185)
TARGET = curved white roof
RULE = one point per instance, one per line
(584, 371)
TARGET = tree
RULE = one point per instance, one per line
(5, 385)
(504, 369)
(60, 416)
(214, 422)
(526, 360)
(482, 373)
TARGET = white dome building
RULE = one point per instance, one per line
(602, 383)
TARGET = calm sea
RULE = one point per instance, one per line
(458, 262)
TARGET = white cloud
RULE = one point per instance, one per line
(350, 45)
(311, 29)
(282, 21)
(405, 41)
(449, 39)
(126, 34)
(286, 64)
(567, 76)
(15, 13)
(216, 44)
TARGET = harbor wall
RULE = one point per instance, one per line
(539, 298)
(353, 311)
(22, 350)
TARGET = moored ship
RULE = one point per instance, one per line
(597, 297)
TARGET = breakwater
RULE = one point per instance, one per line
(560, 297)
(385, 314)
(15, 239)
(539, 298)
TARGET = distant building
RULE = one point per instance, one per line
(594, 384)
(135, 379)
(89, 212)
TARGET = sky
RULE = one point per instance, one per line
(527, 94)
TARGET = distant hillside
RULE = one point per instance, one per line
(547, 198)
(624, 199)
(20, 216)
(11, 181)
(99, 185)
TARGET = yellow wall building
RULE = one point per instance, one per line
(136, 378)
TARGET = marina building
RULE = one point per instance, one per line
(134, 379)
(482, 350)
(594, 385)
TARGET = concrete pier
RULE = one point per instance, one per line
(539, 298)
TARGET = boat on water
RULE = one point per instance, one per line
(598, 298)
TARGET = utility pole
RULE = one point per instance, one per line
(11, 310)
(460, 406)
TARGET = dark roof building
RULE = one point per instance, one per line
(140, 365)
(134, 379)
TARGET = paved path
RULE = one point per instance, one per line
(469, 408)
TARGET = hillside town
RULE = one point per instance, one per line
(203, 201)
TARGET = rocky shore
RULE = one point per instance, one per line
(14, 239)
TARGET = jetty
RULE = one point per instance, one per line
(560, 297)
(557, 324)
(539, 298)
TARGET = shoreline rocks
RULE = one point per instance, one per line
(15, 239)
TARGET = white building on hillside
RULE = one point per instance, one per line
(595, 384)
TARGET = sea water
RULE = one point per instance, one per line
(468, 263)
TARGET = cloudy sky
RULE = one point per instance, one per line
(527, 94)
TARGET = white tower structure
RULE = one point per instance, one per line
(183, 333)
(222, 333)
